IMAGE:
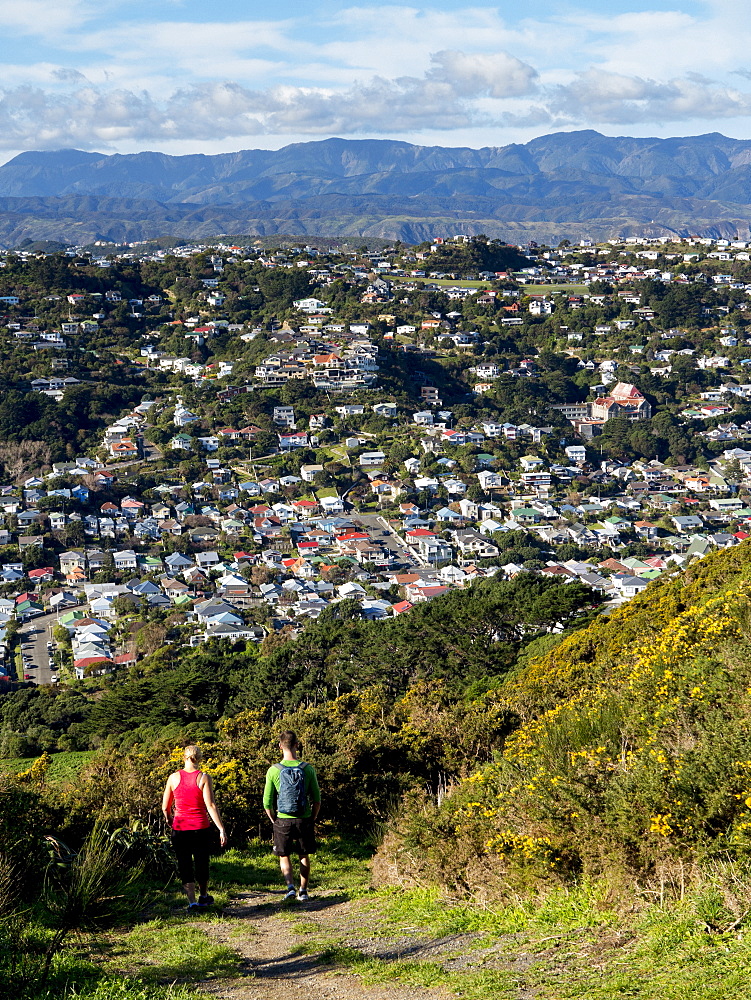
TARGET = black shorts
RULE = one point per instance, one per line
(192, 848)
(294, 836)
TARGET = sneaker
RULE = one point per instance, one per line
(302, 896)
(291, 893)
(205, 900)
(193, 908)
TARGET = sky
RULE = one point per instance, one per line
(183, 76)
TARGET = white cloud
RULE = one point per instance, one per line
(600, 97)
(664, 44)
(43, 18)
(391, 40)
(109, 77)
(498, 74)
(91, 115)
(455, 94)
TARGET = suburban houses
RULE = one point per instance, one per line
(272, 465)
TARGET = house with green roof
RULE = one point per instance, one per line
(181, 442)
(525, 515)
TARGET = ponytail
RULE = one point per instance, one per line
(194, 755)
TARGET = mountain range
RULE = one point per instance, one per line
(563, 185)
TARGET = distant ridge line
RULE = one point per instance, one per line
(563, 185)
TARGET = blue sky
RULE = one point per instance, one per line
(185, 76)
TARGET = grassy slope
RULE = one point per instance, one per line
(633, 756)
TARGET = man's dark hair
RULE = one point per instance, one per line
(288, 740)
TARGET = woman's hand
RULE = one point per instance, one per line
(222, 837)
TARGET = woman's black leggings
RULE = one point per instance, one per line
(192, 848)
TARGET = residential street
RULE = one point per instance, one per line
(379, 527)
(35, 634)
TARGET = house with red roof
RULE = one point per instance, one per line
(82, 666)
(424, 592)
(123, 449)
(241, 557)
(625, 401)
(41, 575)
(295, 439)
(401, 607)
(413, 537)
(305, 506)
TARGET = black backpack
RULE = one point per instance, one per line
(292, 798)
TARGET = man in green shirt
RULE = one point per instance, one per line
(297, 791)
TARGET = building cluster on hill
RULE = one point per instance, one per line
(361, 427)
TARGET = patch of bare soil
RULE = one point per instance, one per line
(273, 967)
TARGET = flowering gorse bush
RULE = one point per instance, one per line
(636, 746)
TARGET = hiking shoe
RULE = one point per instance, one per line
(193, 908)
(290, 894)
(205, 900)
(302, 896)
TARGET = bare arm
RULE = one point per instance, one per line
(168, 799)
(315, 805)
(208, 799)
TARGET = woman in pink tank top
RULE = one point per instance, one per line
(188, 803)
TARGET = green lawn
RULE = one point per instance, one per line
(63, 766)
(552, 289)
(444, 282)
(574, 289)
(338, 453)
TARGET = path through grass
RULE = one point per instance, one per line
(583, 943)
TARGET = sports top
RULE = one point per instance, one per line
(190, 809)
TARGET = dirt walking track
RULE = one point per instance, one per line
(273, 966)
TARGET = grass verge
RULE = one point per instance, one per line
(163, 950)
(423, 975)
(117, 988)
